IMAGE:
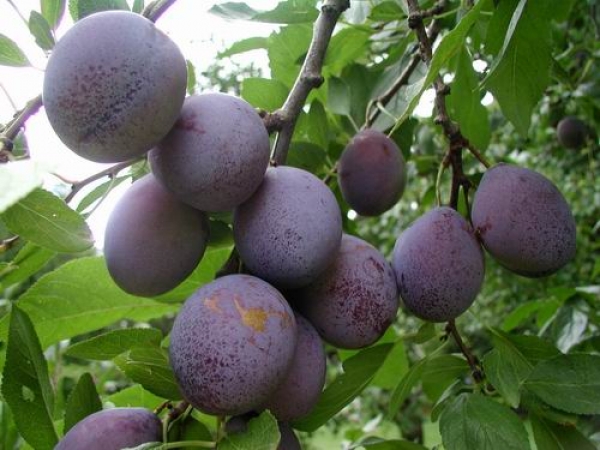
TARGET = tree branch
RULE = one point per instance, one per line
(156, 9)
(10, 133)
(471, 358)
(310, 76)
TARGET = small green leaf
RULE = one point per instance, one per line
(40, 29)
(245, 45)
(290, 11)
(112, 343)
(98, 193)
(53, 10)
(359, 370)
(264, 93)
(135, 396)
(407, 383)
(233, 11)
(47, 221)
(191, 77)
(552, 436)
(262, 434)
(82, 401)
(568, 382)
(11, 54)
(26, 263)
(19, 178)
(475, 422)
(138, 6)
(26, 384)
(149, 366)
(441, 372)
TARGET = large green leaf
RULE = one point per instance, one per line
(475, 422)
(394, 367)
(245, 45)
(568, 382)
(111, 344)
(264, 93)
(441, 372)
(26, 383)
(40, 29)
(53, 10)
(521, 71)
(359, 370)
(135, 395)
(405, 386)
(11, 54)
(82, 8)
(47, 221)
(82, 401)
(80, 297)
(552, 436)
(25, 264)
(286, 12)
(18, 179)
(149, 366)
(262, 434)
(345, 47)
(286, 51)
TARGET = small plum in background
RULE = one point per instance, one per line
(290, 230)
(216, 155)
(439, 265)
(113, 429)
(371, 173)
(232, 345)
(114, 86)
(355, 300)
(571, 132)
(152, 240)
(523, 221)
(301, 389)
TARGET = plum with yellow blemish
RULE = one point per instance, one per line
(232, 344)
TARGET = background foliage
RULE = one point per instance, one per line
(71, 341)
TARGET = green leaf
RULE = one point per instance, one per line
(99, 192)
(264, 93)
(53, 10)
(306, 156)
(19, 178)
(535, 406)
(191, 77)
(9, 435)
(135, 396)
(212, 261)
(286, 12)
(521, 72)
(441, 372)
(245, 45)
(345, 47)
(394, 367)
(149, 366)
(47, 221)
(82, 401)
(407, 383)
(138, 6)
(112, 343)
(233, 11)
(552, 436)
(28, 262)
(387, 11)
(11, 54)
(286, 51)
(374, 443)
(475, 422)
(80, 297)
(26, 385)
(40, 29)
(359, 370)
(338, 96)
(262, 434)
(464, 102)
(568, 382)
(82, 8)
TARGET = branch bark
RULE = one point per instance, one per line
(309, 78)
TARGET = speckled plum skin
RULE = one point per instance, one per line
(300, 392)
(523, 221)
(114, 86)
(355, 300)
(152, 240)
(371, 173)
(290, 230)
(232, 344)
(571, 132)
(439, 265)
(113, 429)
(216, 155)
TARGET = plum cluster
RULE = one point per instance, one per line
(246, 342)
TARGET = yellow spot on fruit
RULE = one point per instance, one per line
(212, 303)
(254, 318)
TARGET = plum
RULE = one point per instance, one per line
(571, 132)
(113, 429)
(372, 173)
(290, 230)
(152, 240)
(232, 344)
(114, 86)
(216, 155)
(439, 265)
(523, 221)
(301, 390)
(355, 300)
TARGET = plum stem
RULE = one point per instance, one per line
(309, 77)
(472, 360)
(156, 9)
(10, 133)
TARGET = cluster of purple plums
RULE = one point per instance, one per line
(115, 89)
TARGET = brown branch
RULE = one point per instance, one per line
(11, 131)
(110, 172)
(310, 75)
(472, 360)
(156, 9)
